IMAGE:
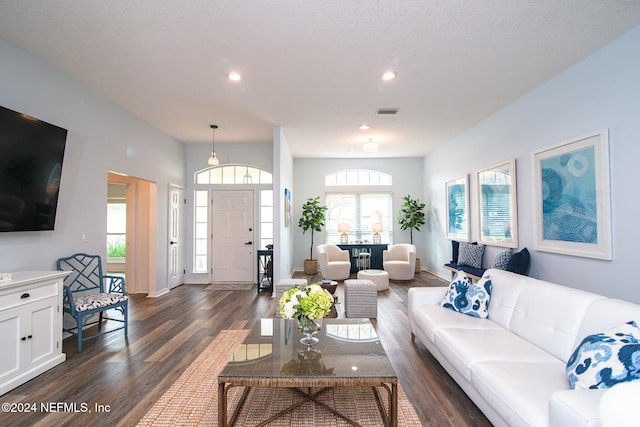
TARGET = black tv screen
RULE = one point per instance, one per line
(31, 154)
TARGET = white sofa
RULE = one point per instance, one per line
(512, 364)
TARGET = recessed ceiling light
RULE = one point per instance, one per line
(364, 126)
(234, 76)
(389, 75)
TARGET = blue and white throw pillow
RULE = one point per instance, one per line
(604, 359)
(467, 298)
(470, 255)
(502, 260)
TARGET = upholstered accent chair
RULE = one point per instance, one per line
(334, 262)
(400, 261)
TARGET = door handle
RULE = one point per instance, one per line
(173, 243)
(248, 243)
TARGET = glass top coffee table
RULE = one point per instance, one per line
(349, 354)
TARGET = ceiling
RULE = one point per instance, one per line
(314, 67)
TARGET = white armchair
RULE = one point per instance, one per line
(334, 262)
(400, 261)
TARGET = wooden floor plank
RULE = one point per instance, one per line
(176, 341)
(166, 334)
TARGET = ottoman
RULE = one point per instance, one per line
(360, 298)
(283, 285)
(379, 277)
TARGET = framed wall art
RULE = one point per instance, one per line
(571, 197)
(457, 209)
(287, 207)
(497, 207)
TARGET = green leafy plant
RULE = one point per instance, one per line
(411, 216)
(312, 218)
(117, 249)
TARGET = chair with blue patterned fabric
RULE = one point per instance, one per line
(85, 296)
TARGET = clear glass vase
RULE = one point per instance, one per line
(309, 328)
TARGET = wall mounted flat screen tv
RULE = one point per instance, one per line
(31, 154)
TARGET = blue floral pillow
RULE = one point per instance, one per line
(605, 359)
(467, 298)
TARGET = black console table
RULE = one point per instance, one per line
(265, 270)
(374, 250)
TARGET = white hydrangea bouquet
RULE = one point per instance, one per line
(307, 304)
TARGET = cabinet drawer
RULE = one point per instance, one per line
(28, 294)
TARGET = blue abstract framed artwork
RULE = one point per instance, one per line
(571, 197)
(457, 209)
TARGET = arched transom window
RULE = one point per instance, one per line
(357, 177)
(233, 174)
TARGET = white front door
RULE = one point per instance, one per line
(175, 256)
(232, 255)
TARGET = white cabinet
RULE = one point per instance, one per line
(30, 326)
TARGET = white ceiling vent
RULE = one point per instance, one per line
(388, 110)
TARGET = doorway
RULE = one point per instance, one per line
(140, 232)
(232, 255)
(117, 228)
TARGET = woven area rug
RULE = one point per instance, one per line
(230, 287)
(193, 399)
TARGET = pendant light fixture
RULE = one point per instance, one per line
(370, 147)
(213, 160)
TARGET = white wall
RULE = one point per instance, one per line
(283, 235)
(102, 137)
(257, 155)
(603, 91)
(309, 182)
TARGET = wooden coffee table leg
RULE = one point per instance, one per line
(394, 405)
(222, 405)
(236, 412)
(223, 389)
(390, 416)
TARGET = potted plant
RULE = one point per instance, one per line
(411, 217)
(312, 219)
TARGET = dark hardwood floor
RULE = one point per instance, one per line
(113, 382)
